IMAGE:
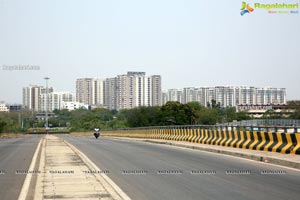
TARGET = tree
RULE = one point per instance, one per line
(179, 114)
(103, 114)
(170, 112)
(242, 115)
(214, 104)
(295, 107)
(208, 116)
(114, 112)
(195, 105)
(142, 116)
(2, 124)
(231, 114)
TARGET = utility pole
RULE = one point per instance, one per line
(46, 113)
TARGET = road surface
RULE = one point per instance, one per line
(15, 158)
(153, 171)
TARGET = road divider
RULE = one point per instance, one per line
(66, 173)
(287, 143)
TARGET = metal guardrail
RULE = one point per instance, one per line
(265, 122)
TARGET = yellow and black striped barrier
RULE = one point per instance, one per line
(288, 143)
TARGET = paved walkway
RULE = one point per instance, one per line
(288, 160)
(67, 174)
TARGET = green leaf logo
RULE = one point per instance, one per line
(244, 4)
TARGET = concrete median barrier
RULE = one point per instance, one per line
(288, 143)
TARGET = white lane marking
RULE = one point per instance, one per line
(93, 166)
(38, 187)
(26, 184)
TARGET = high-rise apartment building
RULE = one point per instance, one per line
(164, 97)
(32, 97)
(90, 91)
(175, 95)
(84, 90)
(140, 86)
(156, 90)
(110, 93)
(126, 91)
(132, 90)
(98, 92)
(224, 95)
(189, 95)
(35, 98)
(229, 96)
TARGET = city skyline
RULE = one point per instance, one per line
(73, 90)
(136, 89)
(187, 43)
(129, 91)
(124, 91)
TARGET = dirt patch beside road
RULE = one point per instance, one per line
(12, 135)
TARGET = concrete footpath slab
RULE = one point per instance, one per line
(66, 173)
(287, 160)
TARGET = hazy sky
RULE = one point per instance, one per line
(188, 42)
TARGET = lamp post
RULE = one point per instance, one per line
(46, 113)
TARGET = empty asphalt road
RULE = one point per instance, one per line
(153, 171)
(15, 158)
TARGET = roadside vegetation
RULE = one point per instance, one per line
(172, 113)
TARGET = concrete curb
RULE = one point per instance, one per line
(265, 159)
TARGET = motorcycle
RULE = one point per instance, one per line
(96, 134)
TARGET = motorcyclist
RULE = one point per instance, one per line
(97, 132)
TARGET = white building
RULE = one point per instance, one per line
(3, 108)
(189, 95)
(98, 92)
(164, 97)
(141, 87)
(55, 100)
(73, 105)
(229, 96)
(175, 95)
(32, 97)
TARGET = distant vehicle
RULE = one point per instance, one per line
(97, 133)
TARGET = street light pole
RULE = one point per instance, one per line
(46, 113)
